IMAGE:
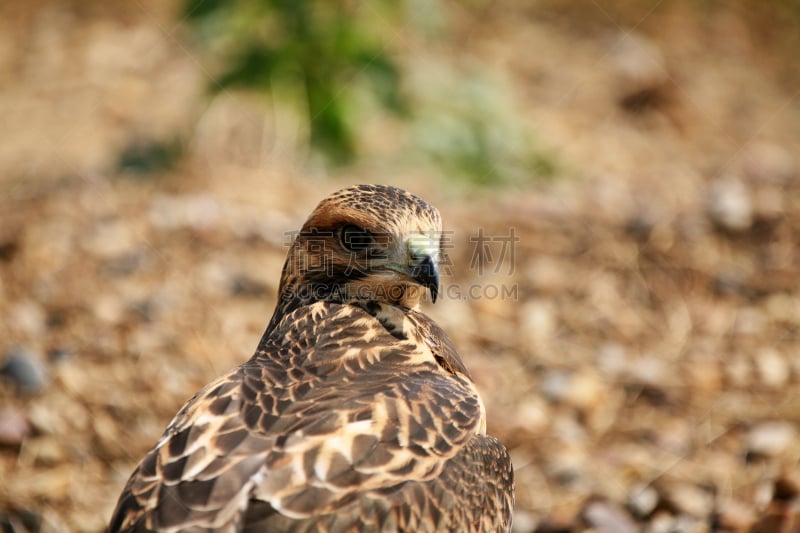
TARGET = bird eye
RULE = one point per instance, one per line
(355, 239)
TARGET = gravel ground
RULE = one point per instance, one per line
(632, 324)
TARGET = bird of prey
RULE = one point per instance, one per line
(355, 414)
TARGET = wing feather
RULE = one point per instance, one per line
(308, 427)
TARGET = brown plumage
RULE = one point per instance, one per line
(355, 413)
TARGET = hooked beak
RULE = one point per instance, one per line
(423, 267)
(425, 271)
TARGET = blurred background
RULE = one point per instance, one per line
(619, 179)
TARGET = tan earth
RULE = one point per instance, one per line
(633, 322)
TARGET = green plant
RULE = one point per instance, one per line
(323, 50)
(469, 124)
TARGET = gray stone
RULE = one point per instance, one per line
(25, 370)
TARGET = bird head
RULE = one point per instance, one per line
(365, 243)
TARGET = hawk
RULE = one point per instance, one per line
(355, 414)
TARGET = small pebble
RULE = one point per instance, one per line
(555, 384)
(666, 523)
(587, 391)
(25, 370)
(738, 371)
(770, 438)
(524, 522)
(773, 368)
(28, 317)
(642, 500)
(641, 71)
(612, 359)
(604, 517)
(538, 321)
(532, 415)
(690, 499)
(729, 204)
(14, 427)
(662, 522)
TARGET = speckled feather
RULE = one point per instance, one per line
(354, 415)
